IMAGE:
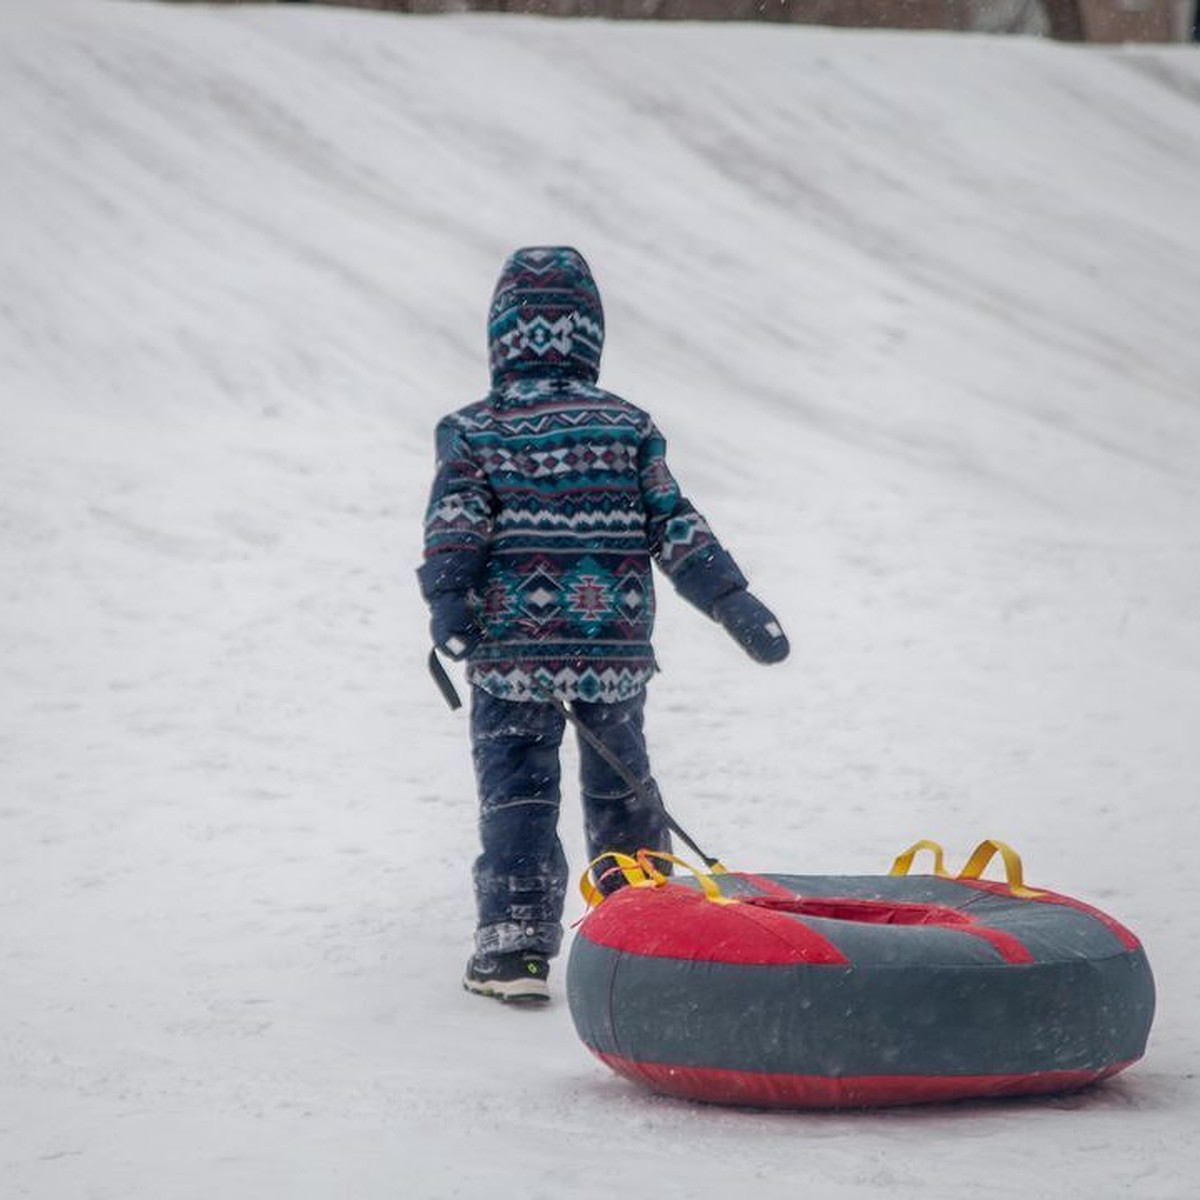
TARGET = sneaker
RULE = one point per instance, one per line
(520, 976)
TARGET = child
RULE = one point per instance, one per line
(550, 500)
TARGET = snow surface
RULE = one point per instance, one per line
(918, 314)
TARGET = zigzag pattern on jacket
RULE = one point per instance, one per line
(552, 499)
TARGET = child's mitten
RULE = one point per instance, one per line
(453, 626)
(752, 625)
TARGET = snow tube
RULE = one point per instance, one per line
(810, 991)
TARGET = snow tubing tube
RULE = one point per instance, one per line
(856, 991)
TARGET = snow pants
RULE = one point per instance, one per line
(521, 874)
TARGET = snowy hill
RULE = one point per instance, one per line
(917, 314)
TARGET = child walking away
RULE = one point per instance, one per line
(551, 498)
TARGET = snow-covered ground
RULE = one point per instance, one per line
(918, 315)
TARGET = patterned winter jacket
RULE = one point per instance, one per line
(551, 498)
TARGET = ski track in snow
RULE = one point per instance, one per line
(916, 314)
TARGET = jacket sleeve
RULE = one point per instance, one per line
(699, 567)
(458, 520)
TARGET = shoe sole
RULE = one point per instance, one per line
(515, 991)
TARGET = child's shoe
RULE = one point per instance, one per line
(522, 976)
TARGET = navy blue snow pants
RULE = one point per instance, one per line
(521, 875)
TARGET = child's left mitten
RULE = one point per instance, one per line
(752, 625)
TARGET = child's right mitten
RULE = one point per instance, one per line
(752, 625)
(455, 632)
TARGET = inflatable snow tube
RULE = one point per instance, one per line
(791, 991)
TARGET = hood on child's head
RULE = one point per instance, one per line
(546, 318)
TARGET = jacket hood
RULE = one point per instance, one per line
(546, 318)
